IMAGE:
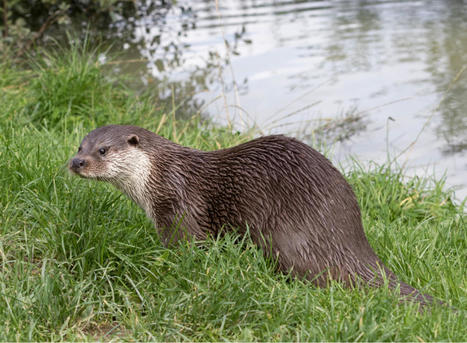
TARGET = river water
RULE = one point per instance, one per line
(373, 79)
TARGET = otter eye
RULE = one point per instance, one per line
(79, 149)
(102, 151)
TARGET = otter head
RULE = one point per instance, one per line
(114, 154)
(108, 153)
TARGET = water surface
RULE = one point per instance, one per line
(372, 78)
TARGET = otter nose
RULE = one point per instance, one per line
(77, 163)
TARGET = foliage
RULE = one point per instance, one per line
(24, 22)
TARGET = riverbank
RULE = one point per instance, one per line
(79, 261)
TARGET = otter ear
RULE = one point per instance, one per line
(133, 140)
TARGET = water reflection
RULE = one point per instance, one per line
(293, 65)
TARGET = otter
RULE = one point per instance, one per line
(295, 204)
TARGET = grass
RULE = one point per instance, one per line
(79, 261)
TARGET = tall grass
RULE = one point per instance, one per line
(79, 261)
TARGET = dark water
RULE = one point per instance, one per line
(372, 78)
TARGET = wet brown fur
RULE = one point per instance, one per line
(297, 205)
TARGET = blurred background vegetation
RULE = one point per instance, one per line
(24, 23)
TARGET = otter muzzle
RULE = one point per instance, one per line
(76, 164)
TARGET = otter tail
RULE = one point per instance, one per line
(410, 293)
(376, 274)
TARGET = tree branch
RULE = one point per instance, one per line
(50, 20)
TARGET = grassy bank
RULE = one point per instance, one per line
(79, 261)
